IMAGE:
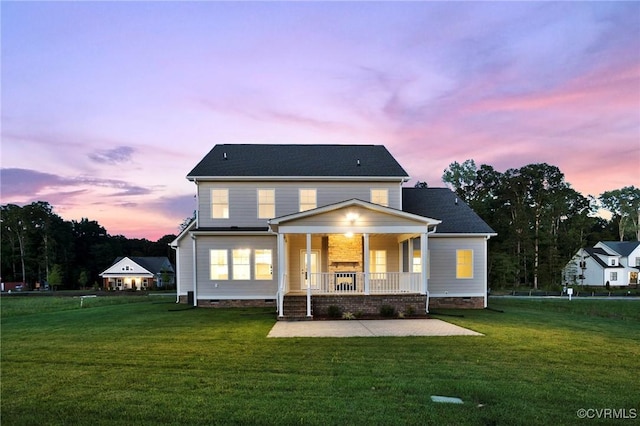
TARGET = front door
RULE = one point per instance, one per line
(314, 269)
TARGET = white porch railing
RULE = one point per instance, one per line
(354, 283)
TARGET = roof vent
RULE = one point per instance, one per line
(224, 155)
(358, 162)
(456, 201)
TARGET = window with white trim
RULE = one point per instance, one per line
(307, 199)
(241, 264)
(613, 276)
(264, 264)
(464, 264)
(219, 203)
(416, 264)
(219, 267)
(380, 196)
(377, 261)
(266, 203)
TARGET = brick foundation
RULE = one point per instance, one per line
(456, 302)
(368, 305)
(233, 303)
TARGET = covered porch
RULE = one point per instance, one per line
(349, 250)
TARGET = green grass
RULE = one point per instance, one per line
(155, 362)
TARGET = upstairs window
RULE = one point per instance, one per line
(266, 203)
(219, 203)
(307, 199)
(464, 264)
(612, 262)
(380, 196)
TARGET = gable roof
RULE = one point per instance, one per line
(253, 160)
(152, 264)
(353, 203)
(596, 252)
(623, 248)
(443, 204)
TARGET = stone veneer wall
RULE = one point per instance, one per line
(344, 253)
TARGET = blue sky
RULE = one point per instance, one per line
(106, 106)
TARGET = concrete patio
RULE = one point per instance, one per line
(368, 328)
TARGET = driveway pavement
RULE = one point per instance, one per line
(368, 328)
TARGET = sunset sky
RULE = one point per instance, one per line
(106, 106)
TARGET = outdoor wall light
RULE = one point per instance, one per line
(352, 217)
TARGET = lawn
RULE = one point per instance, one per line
(149, 361)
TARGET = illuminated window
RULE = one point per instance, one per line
(464, 264)
(377, 261)
(307, 199)
(266, 203)
(220, 203)
(219, 269)
(417, 262)
(264, 265)
(380, 196)
(241, 264)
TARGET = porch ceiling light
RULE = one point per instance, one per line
(352, 217)
(349, 234)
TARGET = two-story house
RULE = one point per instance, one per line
(614, 262)
(305, 227)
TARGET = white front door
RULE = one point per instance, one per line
(314, 269)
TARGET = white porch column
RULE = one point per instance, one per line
(281, 268)
(195, 270)
(308, 275)
(366, 268)
(424, 249)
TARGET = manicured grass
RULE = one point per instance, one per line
(155, 362)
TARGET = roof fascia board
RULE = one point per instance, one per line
(230, 232)
(463, 235)
(300, 178)
(342, 229)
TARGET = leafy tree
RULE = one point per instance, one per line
(420, 184)
(462, 179)
(55, 276)
(624, 204)
(83, 279)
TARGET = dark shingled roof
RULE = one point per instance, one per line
(440, 203)
(228, 160)
(623, 248)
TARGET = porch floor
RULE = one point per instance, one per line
(369, 328)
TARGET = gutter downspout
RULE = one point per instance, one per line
(195, 271)
(425, 265)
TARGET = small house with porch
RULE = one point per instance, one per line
(306, 227)
(138, 273)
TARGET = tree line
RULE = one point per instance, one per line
(540, 220)
(37, 245)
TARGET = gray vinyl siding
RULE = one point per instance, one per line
(184, 257)
(443, 281)
(243, 202)
(235, 289)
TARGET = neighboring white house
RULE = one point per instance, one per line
(613, 262)
(138, 273)
(304, 227)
